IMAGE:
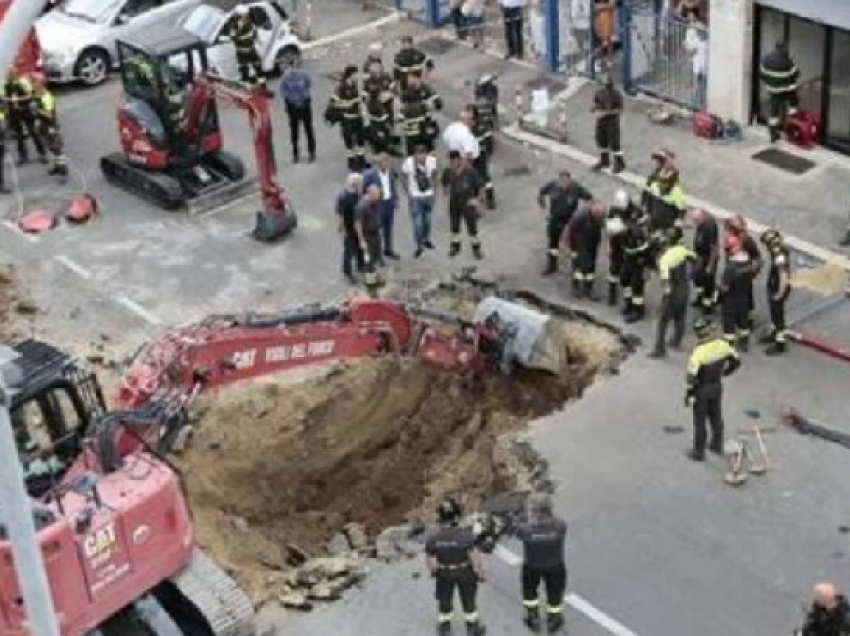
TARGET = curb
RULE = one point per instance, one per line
(636, 181)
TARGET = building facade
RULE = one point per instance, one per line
(818, 36)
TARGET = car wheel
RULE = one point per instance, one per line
(92, 67)
(287, 56)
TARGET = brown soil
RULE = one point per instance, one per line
(273, 464)
(826, 279)
(16, 310)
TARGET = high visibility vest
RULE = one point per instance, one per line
(47, 105)
(675, 197)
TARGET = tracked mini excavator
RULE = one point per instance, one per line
(111, 514)
(172, 149)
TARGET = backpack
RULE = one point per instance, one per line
(423, 181)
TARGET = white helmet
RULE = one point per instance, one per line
(614, 226)
(376, 47)
(622, 200)
(241, 10)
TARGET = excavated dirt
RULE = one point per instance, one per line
(826, 279)
(287, 462)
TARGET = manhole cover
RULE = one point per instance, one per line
(550, 84)
(784, 160)
(436, 45)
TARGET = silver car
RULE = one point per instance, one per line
(78, 37)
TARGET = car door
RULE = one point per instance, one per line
(266, 22)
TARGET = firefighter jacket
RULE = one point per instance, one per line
(409, 61)
(484, 135)
(607, 103)
(422, 94)
(736, 282)
(663, 198)
(780, 263)
(711, 360)
(751, 247)
(346, 103)
(706, 241)
(452, 547)
(543, 543)
(380, 86)
(636, 239)
(585, 228)
(244, 38)
(779, 73)
(18, 94)
(414, 119)
(45, 109)
(674, 270)
(824, 622)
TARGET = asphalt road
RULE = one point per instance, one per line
(658, 545)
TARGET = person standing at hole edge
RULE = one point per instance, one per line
(19, 98)
(735, 290)
(585, 236)
(674, 267)
(407, 61)
(543, 539)
(484, 135)
(778, 290)
(711, 360)
(47, 124)
(419, 101)
(608, 106)
(736, 225)
(244, 34)
(829, 614)
(620, 214)
(463, 186)
(707, 249)
(564, 196)
(346, 214)
(455, 563)
(780, 77)
(636, 255)
(345, 108)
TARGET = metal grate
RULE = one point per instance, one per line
(785, 161)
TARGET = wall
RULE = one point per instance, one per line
(730, 59)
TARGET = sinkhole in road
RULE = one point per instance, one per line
(290, 460)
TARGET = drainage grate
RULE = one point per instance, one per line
(552, 85)
(436, 45)
(784, 160)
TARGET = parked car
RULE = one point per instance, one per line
(78, 37)
(277, 43)
(28, 62)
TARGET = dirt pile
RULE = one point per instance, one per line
(826, 279)
(16, 310)
(274, 465)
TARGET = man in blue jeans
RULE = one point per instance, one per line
(421, 172)
(384, 176)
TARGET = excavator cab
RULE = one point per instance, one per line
(53, 402)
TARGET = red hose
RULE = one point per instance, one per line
(819, 345)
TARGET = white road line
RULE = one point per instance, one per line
(573, 600)
(637, 181)
(13, 227)
(353, 31)
(136, 308)
(74, 266)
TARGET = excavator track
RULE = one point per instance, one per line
(225, 606)
(160, 189)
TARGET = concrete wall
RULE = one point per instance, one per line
(730, 59)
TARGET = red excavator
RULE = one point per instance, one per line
(112, 518)
(171, 140)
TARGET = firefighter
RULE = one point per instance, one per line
(636, 260)
(20, 111)
(608, 106)
(711, 360)
(706, 246)
(616, 227)
(409, 60)
(418, 124)
(543, 537)
(3, 133)
(344, 108)
(585, 235)
(662, 196)
(674, 271)
(780, 77)
(373, 57)
(379, 132)
(564, 196)
(378, 83)
(829, 614)
(244, 34)
(778, 290)
(462, 186)
(735, 289)
(455, 563)
(48, 129)
(736, 225)
(484, 135)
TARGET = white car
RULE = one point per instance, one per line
(78, 37)
(277, 43)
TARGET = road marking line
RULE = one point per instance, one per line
(13, 227)
(353, 31)
(137, 309)
(74, 266)
(573, 600)
(637, 181)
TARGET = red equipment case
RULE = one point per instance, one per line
(803, 128)
(707, 126)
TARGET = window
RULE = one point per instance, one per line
(135, 8)
(807, 44)
(838, 108)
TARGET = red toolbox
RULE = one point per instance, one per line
(707, 126)
(803, 128)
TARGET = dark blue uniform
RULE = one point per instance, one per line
(452, 547)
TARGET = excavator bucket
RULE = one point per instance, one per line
(534, 341)
(228, 193)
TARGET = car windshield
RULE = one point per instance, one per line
(95, 11)
(203, 22)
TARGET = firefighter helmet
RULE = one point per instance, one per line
(449, 510)
(771, 238)
(703, 327)
(622, 200)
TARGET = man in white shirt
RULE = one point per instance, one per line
(458, 136)
(512, 16)
(421, 172)
(697, 46)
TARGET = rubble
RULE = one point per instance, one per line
(339, 546)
